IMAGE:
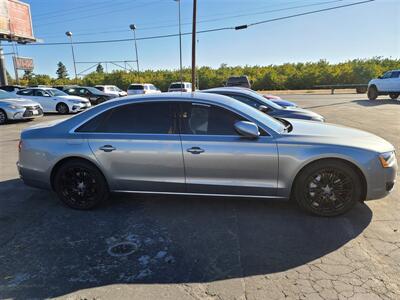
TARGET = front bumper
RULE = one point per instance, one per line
(76, 107)
(28, 112)
(381, 183)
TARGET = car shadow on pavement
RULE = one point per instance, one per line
(49, 250)
(377, 102)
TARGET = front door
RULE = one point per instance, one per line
(139, 147)
(220, 161)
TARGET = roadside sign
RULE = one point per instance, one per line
(15, 21)
(23, 63)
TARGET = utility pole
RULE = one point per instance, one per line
(69, 34)
(3, 72)
(180, 42)
(194, 46)
(133, 28)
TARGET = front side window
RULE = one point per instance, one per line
(41, 93)
(204, 119)
(387, 75)
(145, 118)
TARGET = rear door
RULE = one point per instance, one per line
(139, 147)
(220, 161)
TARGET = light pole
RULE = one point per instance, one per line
(180, 41)
(69, 34)
(194, 45)
(133, 28)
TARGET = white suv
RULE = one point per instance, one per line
(180, 87)
(387, 84)
(111, 90)
(142, 88)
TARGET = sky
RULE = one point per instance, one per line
(362, 31)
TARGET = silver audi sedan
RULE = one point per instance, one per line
(204, 144)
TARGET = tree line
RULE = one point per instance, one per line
(272, 77)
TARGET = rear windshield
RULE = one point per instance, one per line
(136, 87)
(177, 86)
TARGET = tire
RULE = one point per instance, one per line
(327, 188)
(80, 185)
(3, 117)
(372, 93)
(62, 108)
(394, 96)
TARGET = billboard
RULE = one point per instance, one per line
(15, 21)
(23, 63)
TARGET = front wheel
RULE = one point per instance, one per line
(372, 93)
(394, 96)
(328, 188)
(62, 108)
(80, 185)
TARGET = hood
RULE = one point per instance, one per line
(326, 133)
(284, 103)
(298, 113)
(19, 101)
(69, 97)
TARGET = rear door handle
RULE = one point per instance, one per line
(195, 150)
(107, 148)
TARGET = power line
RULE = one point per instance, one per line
(209, 20)
(244, 26)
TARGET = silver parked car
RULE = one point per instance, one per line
(204, 144)
(13, 108)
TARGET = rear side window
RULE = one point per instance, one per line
(395, 74)
(25, 92)
(136, 87)
(146, 118)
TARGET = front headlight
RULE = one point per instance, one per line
(15, 107)
(387, 159)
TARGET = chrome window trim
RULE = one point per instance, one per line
(184, 100)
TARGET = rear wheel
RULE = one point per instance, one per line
(394, 96)
(328, 188)
(62, 108)
(80, 185)
(372, 93)
(3, 117)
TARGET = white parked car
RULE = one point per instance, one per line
(180, 87)
(111, 90)
(387, 84)
(54, 100)
(143, 88)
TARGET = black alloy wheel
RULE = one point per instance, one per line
(80, 185)
(328, 189)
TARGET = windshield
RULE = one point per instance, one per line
(177, 86)
(56, 92)
(6, 95)
(264, 100)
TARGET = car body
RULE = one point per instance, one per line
(280, 101)
(142, 88)
(387, 84)
(94, 95)
(12, 88)
(239, 81)
(271, 108)
(202, 144)
(54, 100)
(111, 90)
(13, 108)
(180, 87)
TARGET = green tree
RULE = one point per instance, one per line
(61, 71)
(99, 69)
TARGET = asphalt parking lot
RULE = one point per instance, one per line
(157, 247)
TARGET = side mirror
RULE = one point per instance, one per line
(247, 129)
(263, 108)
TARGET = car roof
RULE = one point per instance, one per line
(177, 82)
(234, 89)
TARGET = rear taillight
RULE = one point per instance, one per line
(19, 145)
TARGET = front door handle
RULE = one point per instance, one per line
(195, 150)
(107, 148)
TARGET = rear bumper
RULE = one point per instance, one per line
(33, 178)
